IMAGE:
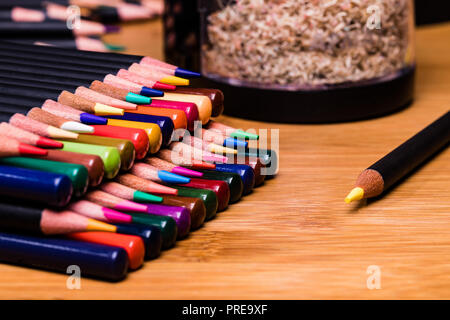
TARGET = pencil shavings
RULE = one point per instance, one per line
(307, 42)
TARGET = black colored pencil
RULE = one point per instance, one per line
(397, 164)
(7, 51)
(39, 220)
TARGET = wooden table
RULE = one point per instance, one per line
(295, 237)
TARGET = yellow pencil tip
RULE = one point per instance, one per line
(354, 195)
(95, 225)
(215, 148)
(105, 110)
(175, 81)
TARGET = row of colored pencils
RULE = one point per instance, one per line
(91, 170)
(76, 24)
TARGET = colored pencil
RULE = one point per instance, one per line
(183, 160)
(255, 163)
(138, 137)
(73, 65)
(190, 109)
(40, 220)
(70, 42)
(195, 206)
(69, 83)
(216, 96)
(232, 179)
(122, 12)
(178, 117)
(93, 163)
(10, 147)
(246, 173)
(118, 93)
(268, 157)
(72, 114)
(152, 130)
(203, 103)
(25, 95)
(35, 185)
(134, 87)
(126, 149)
(157, 75)
(7, 130)
(54, 28)
(78, 174)
(144, 185)
(149, 172)
(109, 155)
(97, 212)
(168, 166)
(167, 226)
(113, 58)
(81, 91)
(198, 143)
(109, 201)
(217, 137)
(187, 151)
(165, 124)
(230, 131)
(78, 91)
(390, 169)
(181, 215)
(133, 245)
(219, 187)
(150, 234)
(99, 261)
(50, 119)
(208, 197)
(127, 193)
(25, 123)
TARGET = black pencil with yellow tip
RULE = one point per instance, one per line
(390, 169)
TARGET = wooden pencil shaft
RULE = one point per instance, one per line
(61, 65)
(113, 57)
(37, 84)
(28, 76)
(413, 152)
(8, 64)
(59, 58)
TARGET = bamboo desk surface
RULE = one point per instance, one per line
(295, 237)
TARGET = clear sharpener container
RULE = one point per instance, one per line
(309, 61)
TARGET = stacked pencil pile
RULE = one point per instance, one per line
(98, 167)
(76, 24)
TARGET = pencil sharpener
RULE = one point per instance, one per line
(303, 61)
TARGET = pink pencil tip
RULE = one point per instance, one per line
(187, 172)
(116, 216)
(131, 206)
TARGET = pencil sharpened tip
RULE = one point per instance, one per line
(355, 195)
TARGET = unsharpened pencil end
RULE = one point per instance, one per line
(105, 110)
(175, 81)
(95, 225)
(355, 195)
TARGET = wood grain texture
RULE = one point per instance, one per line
(295, 237)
